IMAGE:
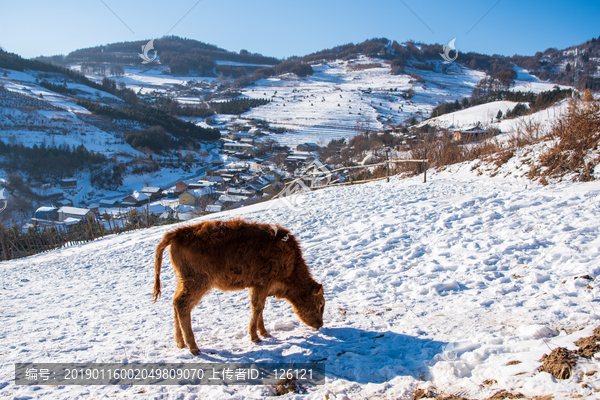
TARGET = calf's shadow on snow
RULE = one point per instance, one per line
(354, 354)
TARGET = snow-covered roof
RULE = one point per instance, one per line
(246, 145)
(278, 172)
(190, 181)
(182, 208)
(46, 209)
(139, 196)
(231, 198)
(150, 189)
(109, 202)
(240, 134)
(308, 144)
(242, 192)
(200, 192)
(214, 208)
(154, 208)
(74, 210)
(206, 183)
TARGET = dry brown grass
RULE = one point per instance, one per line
(444, 151)
(528, 132)
(576, 135)
(360, 67)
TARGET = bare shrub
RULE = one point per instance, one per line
(577, 134)
(527, 133)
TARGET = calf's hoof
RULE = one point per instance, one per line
(180, 345)
(256, 339)
(195, 352)
(265, 334)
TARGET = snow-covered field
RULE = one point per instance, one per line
(340, 95)
(484, 114)
(427, 285)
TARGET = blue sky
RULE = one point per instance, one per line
(285, 28)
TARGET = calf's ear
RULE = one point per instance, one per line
(318, 289)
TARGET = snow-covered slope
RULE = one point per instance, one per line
(485, 115)
(31, 114)
(482, 113)
(439, 284)
(341, 96)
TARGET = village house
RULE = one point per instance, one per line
(154, 193)
(234, 146)
(271, 189)
(69, 214)
(240, 135)
(197, 197)
(67, 183)
(213, 208)
(228, 200)
(241, 192)
(257, 183)
(307, 147)
(217, 182)
(275, 175)
(250, 152)
(135, 199)
(467, 133)
(45, 216)
(184, 186)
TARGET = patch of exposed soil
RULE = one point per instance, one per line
(286, 386)
(588, 346)
(503, 394)
(559, 363)
(428, 393)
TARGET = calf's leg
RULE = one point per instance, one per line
(188, 295)
(178, 334)
(261, 325)
(258, 296)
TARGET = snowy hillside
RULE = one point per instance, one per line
(485, 114)
(341, 96)
(31, 114)
(460, 284)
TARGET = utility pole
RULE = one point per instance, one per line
(425, 171)
(387, 164)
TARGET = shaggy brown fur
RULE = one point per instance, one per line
(234, 255)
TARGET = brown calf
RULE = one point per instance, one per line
(234, 255)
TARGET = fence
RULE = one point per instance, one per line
(16, 244)
(328, 173)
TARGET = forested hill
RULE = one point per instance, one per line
(122, 51)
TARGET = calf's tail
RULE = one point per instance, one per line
(158, 263)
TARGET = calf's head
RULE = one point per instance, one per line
(310, 306)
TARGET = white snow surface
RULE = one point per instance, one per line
(427, 284)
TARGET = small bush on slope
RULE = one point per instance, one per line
(577, 137)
